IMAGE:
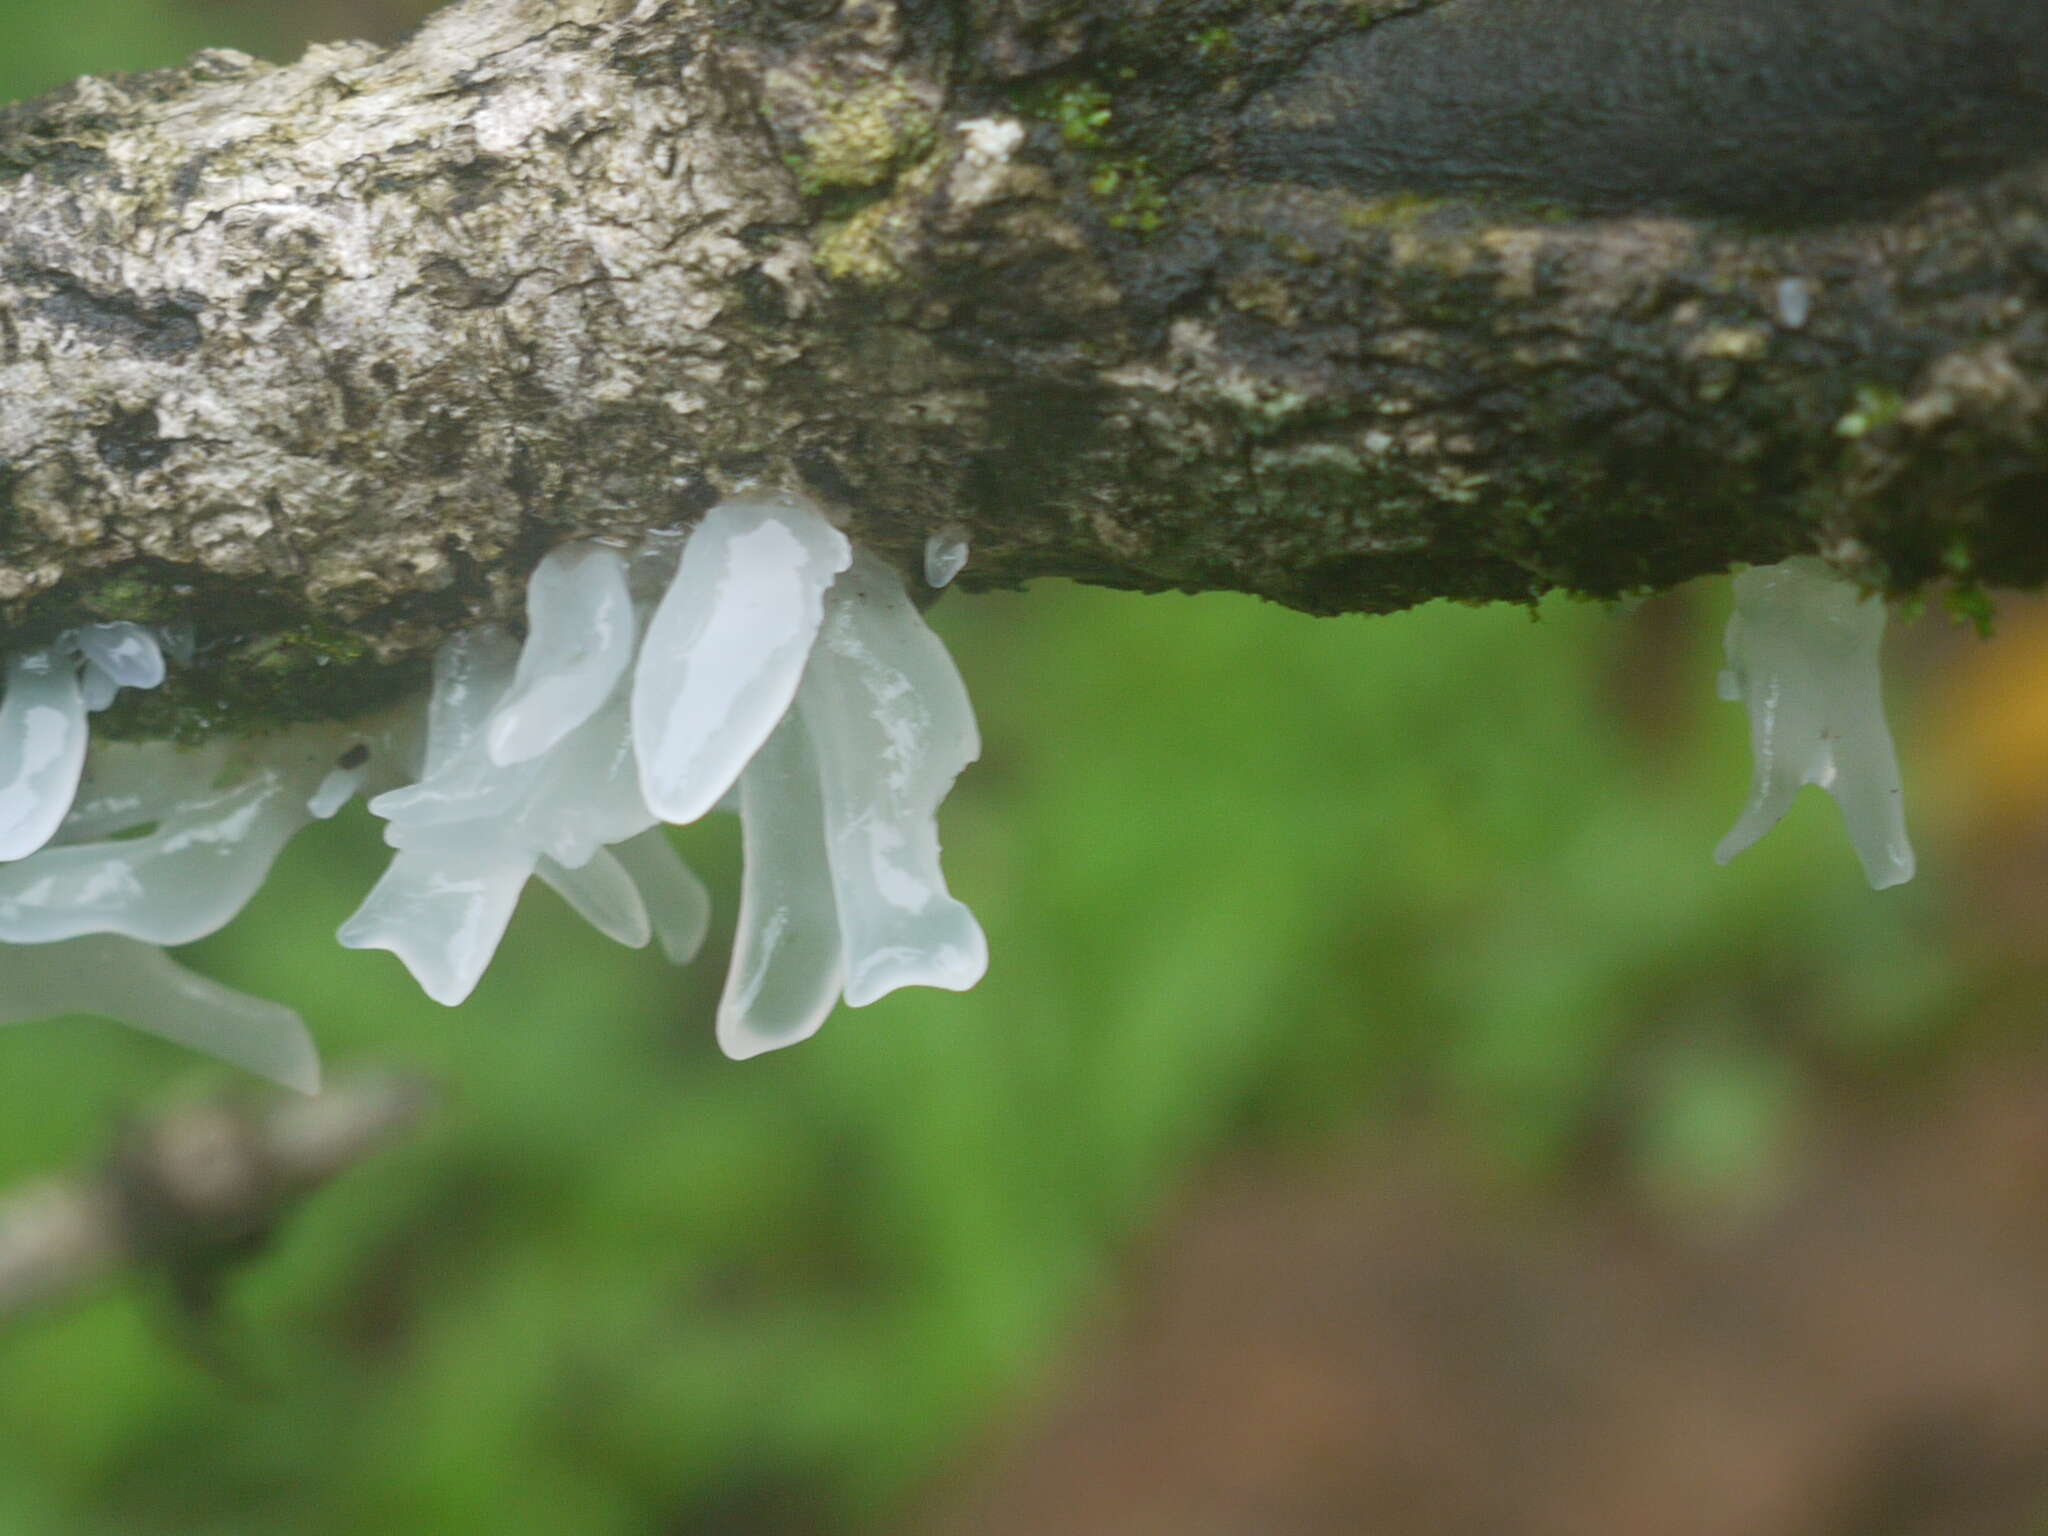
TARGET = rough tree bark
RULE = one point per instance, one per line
(1348, 305)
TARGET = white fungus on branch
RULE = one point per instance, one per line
(43, 730)
(142, 986)
(891, 728)
(759, 662)
(945, 556)
(727, 646)
(788, 959)
(1802, 650)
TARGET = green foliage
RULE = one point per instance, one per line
(1877, 407)
(1126, 184)
(1965, 598)
(44, 46)
(1080, 109)
(1133, 190)
(1245, 874)
(1216, 45)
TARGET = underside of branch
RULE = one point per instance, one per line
(1348, 306)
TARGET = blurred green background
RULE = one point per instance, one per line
(1249, 879)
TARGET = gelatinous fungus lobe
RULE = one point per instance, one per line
(1802, 650)
(758, 663)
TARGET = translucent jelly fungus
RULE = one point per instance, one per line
(1802, 651)
(945, 556)
(42, 749)
(117, 851)
(472, 831)
(43, 729)
(1795, 302)
(727, 646)
(758, 663)
(891, 728)
(788, 963)
(579, 639)
(144, 987)
(624, 710)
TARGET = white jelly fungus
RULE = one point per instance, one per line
(1802, 650)
(142, 986)
(945, 556)
(758, 663)
(727, 646)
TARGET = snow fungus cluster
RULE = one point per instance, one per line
(759, 663)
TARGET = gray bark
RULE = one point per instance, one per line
(1346, 306)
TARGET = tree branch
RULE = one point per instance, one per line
(1349, 307)
(189, 1192)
